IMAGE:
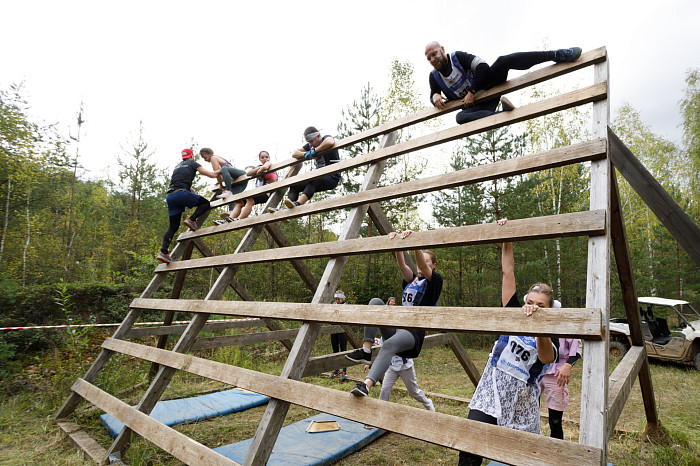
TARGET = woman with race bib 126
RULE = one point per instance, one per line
(508, 392)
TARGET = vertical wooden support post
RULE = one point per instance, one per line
(594, 390)
(271, 423)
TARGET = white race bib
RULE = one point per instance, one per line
(518, 357)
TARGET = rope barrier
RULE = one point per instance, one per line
(115, 325)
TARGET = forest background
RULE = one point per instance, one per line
(78, 250)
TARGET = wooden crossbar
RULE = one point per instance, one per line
(582, 152)
(621, 382)
(259, 337)
(575, 98)
(573, 224)
(528, 79)
(179, 445)
(504, 444)
(568, 322)
(178, 329)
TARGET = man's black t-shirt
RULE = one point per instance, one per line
(430, 297)
(183, 175)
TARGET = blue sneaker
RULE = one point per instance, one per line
(165, 258)
(567, 55)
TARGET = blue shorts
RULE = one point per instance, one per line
(178, 200)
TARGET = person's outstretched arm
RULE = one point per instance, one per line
(209, 173)
(423, 264)
(405, 270)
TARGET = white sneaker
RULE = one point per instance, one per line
(224, 195)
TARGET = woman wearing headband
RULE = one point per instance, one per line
(508, 393)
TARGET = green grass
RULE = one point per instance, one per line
(29, 399)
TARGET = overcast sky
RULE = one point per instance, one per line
(244, 76)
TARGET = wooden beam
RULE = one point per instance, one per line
(621, 382)
(570, 322)
(583, 96)
(179, 445)
(328, 362)
(506, 445)
(464, 359)
(81, 439)
(573, 224)
(673, 217)
(528, 79)
(178, 329)
(594, 385)
(582, 152)
(629, 297)
(252, 338)
(278, 236)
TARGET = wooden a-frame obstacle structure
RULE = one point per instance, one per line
(602, 397)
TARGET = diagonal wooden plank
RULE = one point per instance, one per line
(621, 382)
(569, 322)
(573, 224)
(508, 445)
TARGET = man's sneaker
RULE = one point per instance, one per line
(506, 104)
(224, 195)
(360, 355)
(291, 204)
(191, 224)
(360, 389)
(567, 55)
(164, 258)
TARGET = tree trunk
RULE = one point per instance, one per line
(7, 217)
(26, 244)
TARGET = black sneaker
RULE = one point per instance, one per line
(360, 355)
(567, 55)
(219, 222)
(343, 376)
(360, 389)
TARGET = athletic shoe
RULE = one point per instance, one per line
(343, 376)
(224, 215)
(231, 220)
(220, 222)
(360, 355)
(506, 104)
(334, 374)
(360, 389)
(224, 195)
(191, 224)
(164, 258)
(291, 204)
(272, 210)
(567, 55)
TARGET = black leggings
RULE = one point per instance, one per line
(470, 459)
(555, 423)
(319, 184)
(202, 206)
(498, 74)
(339, 342)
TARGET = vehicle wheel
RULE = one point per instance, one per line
(696, 361)
(617, 350)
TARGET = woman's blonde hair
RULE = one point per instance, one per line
(545, 290)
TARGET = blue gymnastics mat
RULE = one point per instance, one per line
(296, 446)
(198, 408)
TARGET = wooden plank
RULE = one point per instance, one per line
(278, 236)
(81, 439)
(673, 217)
(179, 445)
(621, 382)
(570, 322)
(573, 224)
(103, 358)
(178, 329)
(327, 362)
(506, 445)
(276, 411)
(629, 297)
(594, 391)
(464, 359)
(582, 152)
(259, 337)
(528, 79)
(554, 104)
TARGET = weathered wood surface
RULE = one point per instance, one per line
(554, 104)
(528, 79)
(629, 297)
(673, 217)
(582, 152)
(464, 359)
(178, 329)
(594, 386)
(81, 439)
(570, 322)
(506, 445)
(621, 382)
(259, 337)
(573, 224)
(179, 445)
(278, 236)
(328, 362)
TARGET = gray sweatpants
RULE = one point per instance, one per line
(410, 381)
(395, 341)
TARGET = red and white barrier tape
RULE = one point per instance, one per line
(115, 325)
